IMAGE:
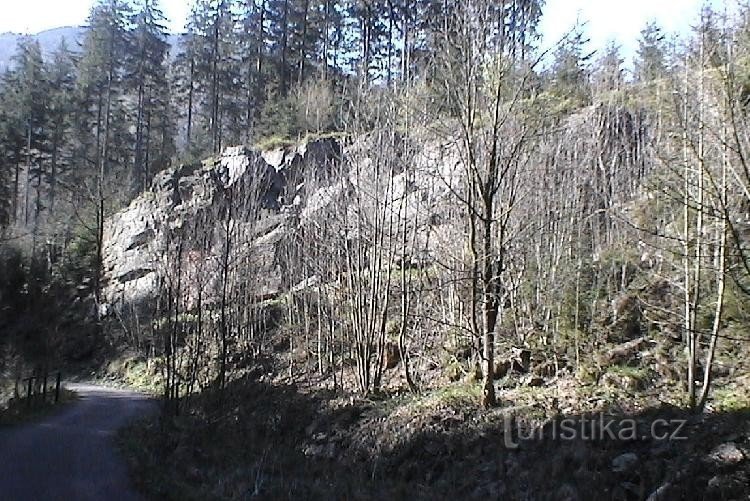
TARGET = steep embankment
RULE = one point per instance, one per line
(277, 442)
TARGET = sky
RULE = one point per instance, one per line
(618, 20)
(606, 19)
(33, 16)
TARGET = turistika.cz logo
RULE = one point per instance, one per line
(597, 428)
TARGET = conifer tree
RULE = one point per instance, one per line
(106, 146)
(30, 88)
(651, 61)
(61, 77)
(146, 78)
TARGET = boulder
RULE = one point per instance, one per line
(625, 463)
(518, 361)
(625, 352)
(727, 454)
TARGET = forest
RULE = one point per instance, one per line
(345, 242)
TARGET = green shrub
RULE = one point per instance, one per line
(278, 122)
(728, 399)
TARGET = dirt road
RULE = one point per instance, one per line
(71, 455)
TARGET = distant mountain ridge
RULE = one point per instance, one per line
(50, 41)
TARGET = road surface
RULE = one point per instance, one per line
(72, 455)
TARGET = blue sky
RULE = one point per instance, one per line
(32, 16)
(619, 20)
(606, 19)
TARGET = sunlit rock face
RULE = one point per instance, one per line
(173, 235)
(188, 203)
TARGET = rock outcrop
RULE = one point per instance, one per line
(274, 193)
(137, 239)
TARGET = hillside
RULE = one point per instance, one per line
(49, 40)
(387, 250)
(572, 422)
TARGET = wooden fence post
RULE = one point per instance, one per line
(57, 387)
(29, 390)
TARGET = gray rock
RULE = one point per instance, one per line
(727, 454)
(298, 183)
(139, 238)
(624, 462)
(661, 494)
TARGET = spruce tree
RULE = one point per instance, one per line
(651, 61)
(31, 91)
(105, 133)
(146, 80)
(11, 150)
(62, 78)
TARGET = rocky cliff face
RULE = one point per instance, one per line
(279, 191)
(138, 238)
